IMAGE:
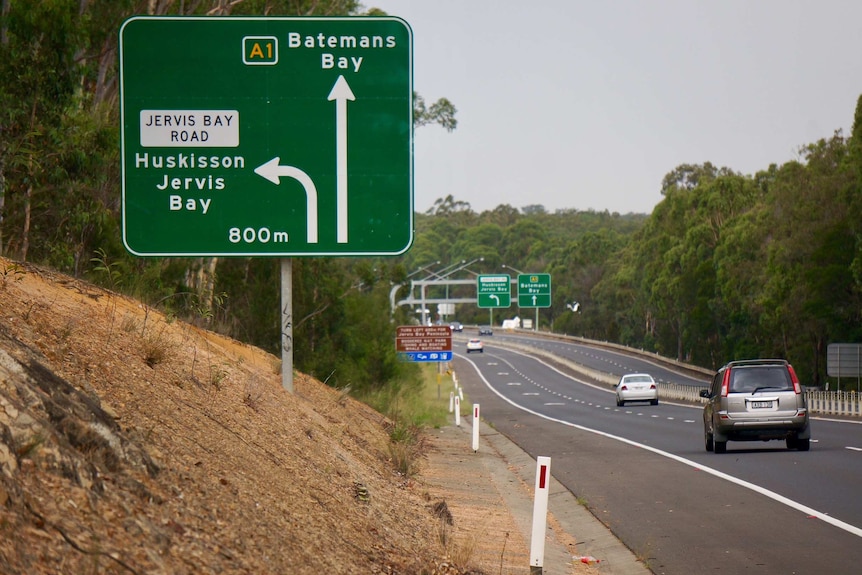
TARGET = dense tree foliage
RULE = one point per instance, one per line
(731, 266)
(728, 265)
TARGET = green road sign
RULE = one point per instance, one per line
(534, 290)
(494, 291)
(249, 136)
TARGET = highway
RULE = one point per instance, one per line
(644, 472)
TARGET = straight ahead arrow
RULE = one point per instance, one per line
(341, 93)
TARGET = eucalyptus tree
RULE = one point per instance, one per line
(813, 295)
(38, 81)
(576, 269)
(853, 194)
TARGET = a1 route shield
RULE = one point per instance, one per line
(249, 136)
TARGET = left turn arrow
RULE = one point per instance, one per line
(273, 172)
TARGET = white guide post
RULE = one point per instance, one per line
(457, 411)
(540, 514)
(475, 427)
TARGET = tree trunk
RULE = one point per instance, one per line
(2, 195)
(200, 277)
(4, 41)
(25, 236)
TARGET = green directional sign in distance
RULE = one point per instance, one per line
(534, 290)
(251, 136)
(494, 291)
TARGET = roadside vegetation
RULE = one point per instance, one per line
(420, 405)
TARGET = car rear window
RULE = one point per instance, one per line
(748, 379)
(638, 379)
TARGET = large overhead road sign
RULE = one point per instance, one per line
(534, 290)
(494, 291)
(251, 136)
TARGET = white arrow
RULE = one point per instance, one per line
(341, 92)
(534, 299)
(496, 297)
(272, 172)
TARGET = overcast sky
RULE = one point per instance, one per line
(588, 104)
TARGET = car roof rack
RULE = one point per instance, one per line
(745, 362)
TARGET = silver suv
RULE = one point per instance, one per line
(755, 400)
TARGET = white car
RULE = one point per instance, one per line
(475, 345)
(637, 387)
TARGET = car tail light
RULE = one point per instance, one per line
(652, 386)
(725, 383)
(796, 387)
(624, 388)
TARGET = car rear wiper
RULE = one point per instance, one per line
(766, 387)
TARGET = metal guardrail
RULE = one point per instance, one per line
(679, 392)
(842, 403)
(847, 403)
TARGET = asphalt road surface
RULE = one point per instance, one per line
(644, 472)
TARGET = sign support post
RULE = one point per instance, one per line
(287, 324)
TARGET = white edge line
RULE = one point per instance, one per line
(721, 475)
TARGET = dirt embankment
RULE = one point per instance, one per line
(130, 443)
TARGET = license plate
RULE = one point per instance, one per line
(761, 404)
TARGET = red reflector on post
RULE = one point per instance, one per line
(543, 475)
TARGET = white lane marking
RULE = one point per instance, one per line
(514, 383)
(558, 403)
(853, 448)
(530, 393)
(720, 474)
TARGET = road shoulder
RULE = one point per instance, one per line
(493, 488)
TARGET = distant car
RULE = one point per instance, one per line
(637, 387)
(485, 330)
(475, 345)
(755, 400)
(456, 326)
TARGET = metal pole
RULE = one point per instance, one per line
(422, 291)
(287, 324)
